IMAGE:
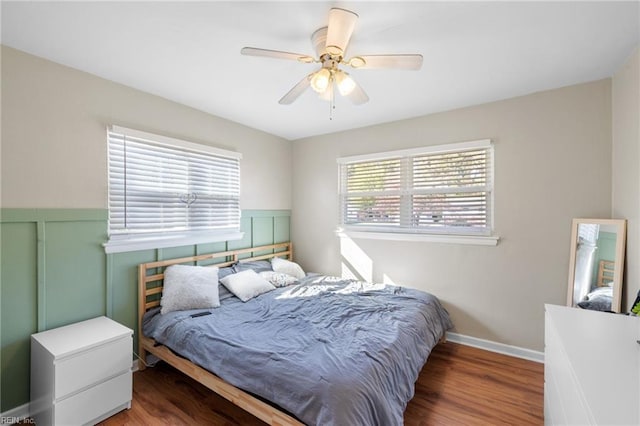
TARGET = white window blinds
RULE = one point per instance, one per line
(160, 185)
(589, 232)
(442, 189)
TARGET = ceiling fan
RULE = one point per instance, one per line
(330, 44)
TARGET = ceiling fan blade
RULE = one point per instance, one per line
(341, 25)
(357, 96)
(278, 54)
(319, 41)
(404, 62)
(296, 91)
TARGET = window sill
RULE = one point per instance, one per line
(134, 243)
(479, 240)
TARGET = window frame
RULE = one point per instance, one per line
(125, 241)
(483, 236)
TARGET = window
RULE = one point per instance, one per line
(446, 189)
(164, 188)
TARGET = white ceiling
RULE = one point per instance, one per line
(189, 52)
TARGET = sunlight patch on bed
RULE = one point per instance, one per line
(318, 285)
(359, 287)
(328, 284)
(307, 291)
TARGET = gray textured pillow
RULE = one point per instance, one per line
(223, 293)
(247, 284)
(255, 265)
(189, 287)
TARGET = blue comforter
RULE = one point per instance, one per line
(327, 350)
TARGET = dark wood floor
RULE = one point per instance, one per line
(459, 385)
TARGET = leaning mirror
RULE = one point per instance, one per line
(596, 264)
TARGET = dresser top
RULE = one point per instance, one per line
(72, 338)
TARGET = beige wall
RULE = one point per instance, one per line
(626, 165)
(552, 163)
(54, 138)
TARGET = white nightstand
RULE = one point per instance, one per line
(81, 373)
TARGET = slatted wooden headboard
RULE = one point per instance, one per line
(606, 270)
(150, 278)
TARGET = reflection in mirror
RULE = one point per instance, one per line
(596, 264)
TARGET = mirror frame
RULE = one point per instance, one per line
(621, 231)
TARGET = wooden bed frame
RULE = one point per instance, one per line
(150, 276)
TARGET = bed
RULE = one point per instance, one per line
(320, 351)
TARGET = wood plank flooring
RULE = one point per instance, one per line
(459, 385)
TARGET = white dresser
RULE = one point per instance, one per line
(81, 373)
(591, 367)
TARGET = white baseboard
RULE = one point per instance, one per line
(500, 348)
(15, 414)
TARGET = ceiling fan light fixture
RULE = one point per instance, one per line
(327, 95)
(320, 80)
(345, 83)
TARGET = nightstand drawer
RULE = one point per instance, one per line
(94, 402)
(87, 368)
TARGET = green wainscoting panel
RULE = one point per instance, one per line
(210, 248)
(176, 252)
(281, 229)
(123, 278)
(53, 215)
(54, 272)
(262, 227)
(18, 319)
(75, 277)
(245, 241)
(262, 232)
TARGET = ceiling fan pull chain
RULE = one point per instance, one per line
(332, 103)
(331, 107)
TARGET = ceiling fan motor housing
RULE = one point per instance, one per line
(330, 61)
(319, 41)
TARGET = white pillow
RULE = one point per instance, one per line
(287, 267)
(189, 287)
(278, 279)
(246, 284)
